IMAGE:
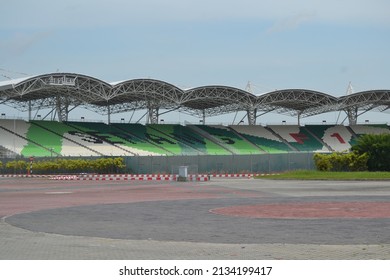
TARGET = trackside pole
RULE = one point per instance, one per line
(30, 171)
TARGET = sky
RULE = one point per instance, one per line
(273, 44)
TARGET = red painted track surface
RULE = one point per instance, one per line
(19, 195)
(309, 210)
(26, 195)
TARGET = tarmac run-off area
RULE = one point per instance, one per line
(218, 219)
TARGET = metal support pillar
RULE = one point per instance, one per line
(29, 110)
(62, 107)
(153, 115)
(108, 114)
(299, 118)
(251, 116)
(352, 114)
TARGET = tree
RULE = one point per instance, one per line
(378, 149)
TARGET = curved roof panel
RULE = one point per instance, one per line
(365, 100)
(297, 101)
(217, 100)
(76, 89)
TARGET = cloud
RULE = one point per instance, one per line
(290, 23)
(91, 13)
(20, 43)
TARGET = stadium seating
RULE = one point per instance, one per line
(116, 141)
(186, 137)
(262, 137)
(230, 139)
(160, 136)
(11, 141)
(337, 137)
(150, 139)
(50, 141)
(52, 138)
(73, 142)
(35, 143)
(370, 129)
(298, 137)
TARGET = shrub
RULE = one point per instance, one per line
(341, 162)
(100, 165)
(16, 166)
(322, 162)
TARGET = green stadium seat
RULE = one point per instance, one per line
(262, 138)
(337, 137)
(186, 137)
(116, 140)
(139, 134)
(231, 140)
(298, 137)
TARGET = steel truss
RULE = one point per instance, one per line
(64, 90)
(363, 102)
(297, 102)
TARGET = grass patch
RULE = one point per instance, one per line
(322, 175)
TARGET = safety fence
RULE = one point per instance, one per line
(204, 164)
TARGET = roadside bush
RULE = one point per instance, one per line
(57, 166)
(341, 162)
(16, 166)
(322, 162)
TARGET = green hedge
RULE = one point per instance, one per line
(16, 166)
(341, 162)
(58, 166)
(371, 152)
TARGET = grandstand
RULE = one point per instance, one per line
(299, 138)
(13, 135)
(62, 92)
(262, 137)
(123, 142)
(152, 141)
(227, 138)
(338, 138)
(370, 129)
(52, 138)
(73, 142)
(187, 137)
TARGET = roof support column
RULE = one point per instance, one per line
(29, 110)
(108, 114)
(153, 115)
(352, 114)
(252, 116)
(299, 118)
(62, 107)
(203, 116)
